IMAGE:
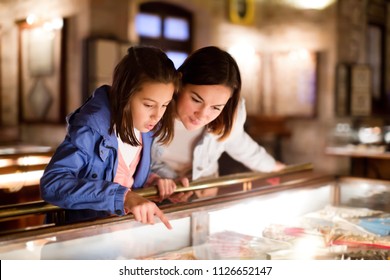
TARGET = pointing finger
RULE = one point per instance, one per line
(163, 219)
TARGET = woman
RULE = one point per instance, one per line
(210, 117)
(106, 151)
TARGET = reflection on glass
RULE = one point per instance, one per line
(148, 25)
(6, 162)
(33, 160)
(25, 161)
(176, 29)
(16, 181)
(297, 202)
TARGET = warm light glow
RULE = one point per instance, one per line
(366, 187)
(57, 23)
(307, 247)
(6, 162)
(47, 24)
(370, 135)
(287, 208)
(253, 216)
(54, 24)
(310, 4)
(16, 181)
(301, 54)
(31, 19)
(242, 52)
(38, 244)
(32, 160)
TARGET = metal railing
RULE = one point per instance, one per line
(9, 212)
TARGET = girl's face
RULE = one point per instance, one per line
(198, 105)
(148, 105)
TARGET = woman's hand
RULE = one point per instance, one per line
(144, 210)
(279, 166)
(276, 180)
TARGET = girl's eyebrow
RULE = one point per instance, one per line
(149, 99)
(154, 101)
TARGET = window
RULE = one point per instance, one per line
(176, 29)
(166, 26)
(148, 25)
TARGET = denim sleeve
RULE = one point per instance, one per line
(68, 180)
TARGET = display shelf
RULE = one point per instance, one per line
(204, 228)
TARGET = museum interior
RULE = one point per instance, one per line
(316, 84)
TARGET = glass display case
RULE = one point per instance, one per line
(234, 224)
(21, 167)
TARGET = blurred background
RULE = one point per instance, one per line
(315, 72)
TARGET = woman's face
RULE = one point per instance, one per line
(149, 104)
(198, 105)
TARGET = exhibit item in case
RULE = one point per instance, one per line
(305, 216)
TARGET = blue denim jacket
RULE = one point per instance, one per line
(81, 172)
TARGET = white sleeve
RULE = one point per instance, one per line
(157, 165)
(241, 147)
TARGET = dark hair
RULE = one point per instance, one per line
(140, 65)
(213, 66)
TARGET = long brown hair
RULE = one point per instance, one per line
(213, 66)
(140, 65)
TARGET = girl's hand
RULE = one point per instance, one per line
(166, 187)
(144, 210)
(182, 196)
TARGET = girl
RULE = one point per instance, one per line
(106, 151)
(210, 118)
